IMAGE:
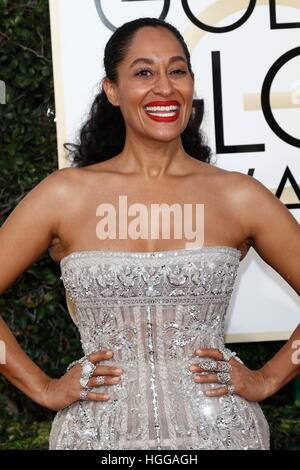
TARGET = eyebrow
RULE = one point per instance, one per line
(146, 60)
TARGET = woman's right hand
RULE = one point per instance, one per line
(62, 392)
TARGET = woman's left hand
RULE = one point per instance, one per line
(250, 384)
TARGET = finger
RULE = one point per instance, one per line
(107, 370)
(99, 355)
(210, 352)
(108, 380)
(216, 392)
(94, 396)
(217, 366)
(198, 368)
(195, 368)
(206, 378)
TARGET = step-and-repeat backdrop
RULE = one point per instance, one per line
(246, 59)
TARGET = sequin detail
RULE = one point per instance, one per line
(153, 378)
(154, 310)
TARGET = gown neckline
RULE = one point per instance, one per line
(150, 254)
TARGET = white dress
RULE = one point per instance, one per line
(154, 310)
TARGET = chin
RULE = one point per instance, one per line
(165, 137)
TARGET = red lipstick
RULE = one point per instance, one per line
(163, 111)
(163, 103)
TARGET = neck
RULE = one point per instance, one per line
(152, 159)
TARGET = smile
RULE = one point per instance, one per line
(163, 111)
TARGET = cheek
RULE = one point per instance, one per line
(188, 91)
(188, 88)
(132, 96)
(189, 97)
(131, 104)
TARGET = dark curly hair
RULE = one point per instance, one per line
(102, 136)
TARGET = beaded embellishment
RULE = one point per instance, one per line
(153, 310)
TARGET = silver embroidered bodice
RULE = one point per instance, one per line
(154, 310)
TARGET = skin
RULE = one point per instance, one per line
(59, 215)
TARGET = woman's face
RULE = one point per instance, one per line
(155, 88)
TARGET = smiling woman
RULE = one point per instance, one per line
(164, 77)
(104, 133)
(151, 314)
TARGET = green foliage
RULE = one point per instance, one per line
(17, 435)
(34, 306)
(281, 410)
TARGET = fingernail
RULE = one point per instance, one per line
(118, 370)
(115, 379)
(199, 351)
(193, 368)
(108, 353)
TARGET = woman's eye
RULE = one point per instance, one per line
(142, 73)
(145, 72)
(180, 71)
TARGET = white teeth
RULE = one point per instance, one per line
(162, 108)
(163, 114)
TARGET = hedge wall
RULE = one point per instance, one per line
(34, 306)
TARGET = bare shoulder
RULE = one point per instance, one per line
(63, 178)
(251, 199)
(243, 188)
(48, 199)
(34, 223)
(267, 220)
(208, 170)
(58, 187)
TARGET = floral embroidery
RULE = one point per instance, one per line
(153, 310)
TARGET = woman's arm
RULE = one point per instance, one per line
(24, 237)
(26, 234)
(19, 369)
(275, 235)
(285, 365)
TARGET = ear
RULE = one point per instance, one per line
(110, 91)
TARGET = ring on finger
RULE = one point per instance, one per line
(223, 377)
(208, 364)
(227, 353)
(83, 393)
(84, 381)
(100, 379)
(87, 368)
(223, 366)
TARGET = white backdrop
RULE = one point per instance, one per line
(241, 50)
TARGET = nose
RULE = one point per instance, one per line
(163, 85)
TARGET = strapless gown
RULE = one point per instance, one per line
(154, 310)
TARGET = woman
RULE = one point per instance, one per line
(155, 373)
